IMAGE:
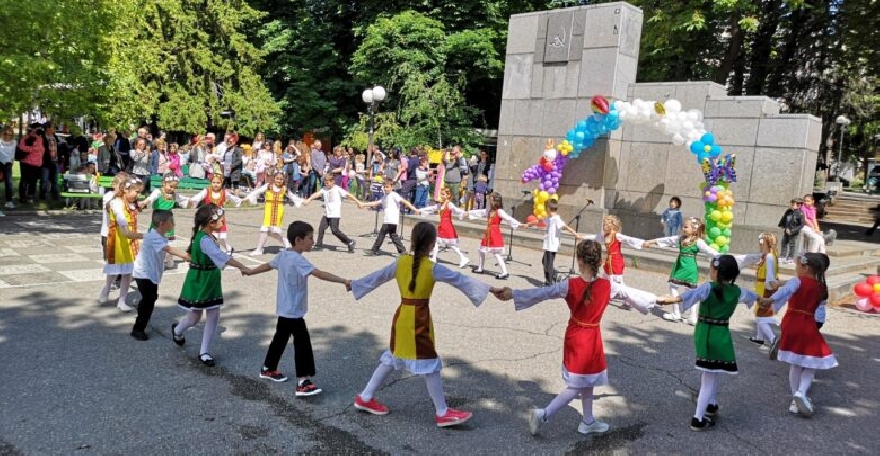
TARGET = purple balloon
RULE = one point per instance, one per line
(541, 187)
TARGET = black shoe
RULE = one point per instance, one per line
(502, 276)
(139, 335)
(179, 340)
(351, 247)
(372, 252)
(757, 341)
(712, 410)
(476, 270)
(207, 359)
(702, 425)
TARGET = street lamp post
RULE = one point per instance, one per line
(843, 122)
(372, 97)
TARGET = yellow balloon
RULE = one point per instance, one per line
(724, 225)
(721, 241)
(715, 247)
(727, 216)
(707, 149)
(877, 287)
(544, 195)
(715, 215)
(536, 192)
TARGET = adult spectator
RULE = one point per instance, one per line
(377, 168)
(220, 149)
(408, 187)
(318, 163)
(106, 157)
(198, 155)
(49, 168)
(141, 158)
(7, 155)
(32, 150)
(338, 165)
(210, 144)
(123, 149)
(232, 162)
(453, 163)
(393, 168)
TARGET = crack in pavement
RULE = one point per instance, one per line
(672, 373)
(757, 448)
(533, 356)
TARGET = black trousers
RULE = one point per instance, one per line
(302, 346)
(549, 271)
(333, 223)
(27, 185)
(788, 250)
(390, 230)
(149, 294)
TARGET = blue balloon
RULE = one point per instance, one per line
(715, 151)
(708, 139)
(588, 143)
(697, 147)
(579, 136)
(615, 125)
(701, 156)
(570, 136)
(612, 116)
(597, 117)
(582, 125)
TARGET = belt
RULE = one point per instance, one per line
(414, 302)
(199, 267)
(802, 311)
(713, 321)
(690, 255)
(582, 324)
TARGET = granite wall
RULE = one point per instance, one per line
(557, 60)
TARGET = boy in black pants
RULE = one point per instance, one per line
(390, 203)
(148, 268)
(791, 222)
(291, 306)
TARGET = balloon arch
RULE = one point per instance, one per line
(685, 128)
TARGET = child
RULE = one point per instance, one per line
(292, 304)
(274, 212)
(480, 191)
(493, 241)
(148, 268)
(360, 173)
(765, 284)
(812, 234)
(555, 226)
(583, 363)
(166, 199)
(412, 332)
(801, 344)
(391, 205)
(118, 180)
(202, 287)
(333, 196)
(791, 222)
(685, 272)
(446, 234)
(671, 218)
(714, 346)
(376, 189)
(122, 240)
(217, 195)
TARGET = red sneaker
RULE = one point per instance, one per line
(372, 406)
(453, 417)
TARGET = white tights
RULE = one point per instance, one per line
(212, 318)
(567, 395)
(800, 379)
(676, 308)
(454, 248)
(264, 235)
(708, 393)
(433, 381)
(124, 283)
(765, 332)
(498, 258)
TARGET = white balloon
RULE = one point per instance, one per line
(677, 140)
(699, 125)
(695, 115)
(672, 106)
(687, 125)
(694, 135)
(682, 116)
(550, 154)
(618, 105)
(665, 121)
(675, 126)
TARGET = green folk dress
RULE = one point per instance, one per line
(202, 288)
(685, 271)
(160, 202)
(712, 341)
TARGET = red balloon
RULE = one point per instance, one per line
(548, 167)
(872, 279)
(531, 219)
(863, 289)
(875, 300)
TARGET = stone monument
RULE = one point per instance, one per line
(557, 60)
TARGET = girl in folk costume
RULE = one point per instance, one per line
(801, 344)
(685, 273)
(446, 234)
(583, 363)
(122, 240)
(166, 199)
(202, 288)
(217, 195)
(275, 193)
(614, 265)
(412, 332)
(766, 283)
(712, 340)
(493, 241)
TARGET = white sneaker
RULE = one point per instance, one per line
(9, 205)
(692, 322)
(464, 262)
(103, 297)
(804, 406)
(536, 418)
(596, 427)
(792, 408)
(123, 306)
(671, 317)
(257, 252)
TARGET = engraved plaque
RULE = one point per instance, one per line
(558, 41)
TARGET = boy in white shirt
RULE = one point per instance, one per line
(555, 225)
(148, 267)
(390, 204)
(333, 196)
(291, 306)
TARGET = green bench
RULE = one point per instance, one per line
(106, 182)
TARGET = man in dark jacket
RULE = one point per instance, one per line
(51, 155)
(122, 146)
(232, 162)
(791, 222)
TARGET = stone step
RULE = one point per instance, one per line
(848, 218)
(840, 286)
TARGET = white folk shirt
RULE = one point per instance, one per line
(391, 206)
(333, 201)
(150, 261)
(555, 224)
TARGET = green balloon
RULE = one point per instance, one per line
(714, 232)
(725, 248)
(727, 232)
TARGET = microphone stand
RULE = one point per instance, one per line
(509, 258)
(577, 224)
(375, 232)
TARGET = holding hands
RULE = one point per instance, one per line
(502, 294)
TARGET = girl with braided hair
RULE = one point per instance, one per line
(712, 340)
(412, 331)
(583, 362)
(493, 241)
(801, 344)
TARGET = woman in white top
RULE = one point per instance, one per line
(7, 154)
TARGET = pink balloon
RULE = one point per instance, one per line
(864, 304)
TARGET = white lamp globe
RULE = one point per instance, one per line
(378, 93)
(367, 96)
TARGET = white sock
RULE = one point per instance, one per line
(457, 250)
(695, 312)
(435, 389)
(212, 318)
(587, 403)
(707, 386)
(482, 260)
(500, 260)
(434, 252)
(187, 321)
(806, 380)
(794, 377)
(279, 238)
(123, 287)
(261, 242)
(561, 400)
(676, 308)
(105, 291)
(379, 376)
(765, 331)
